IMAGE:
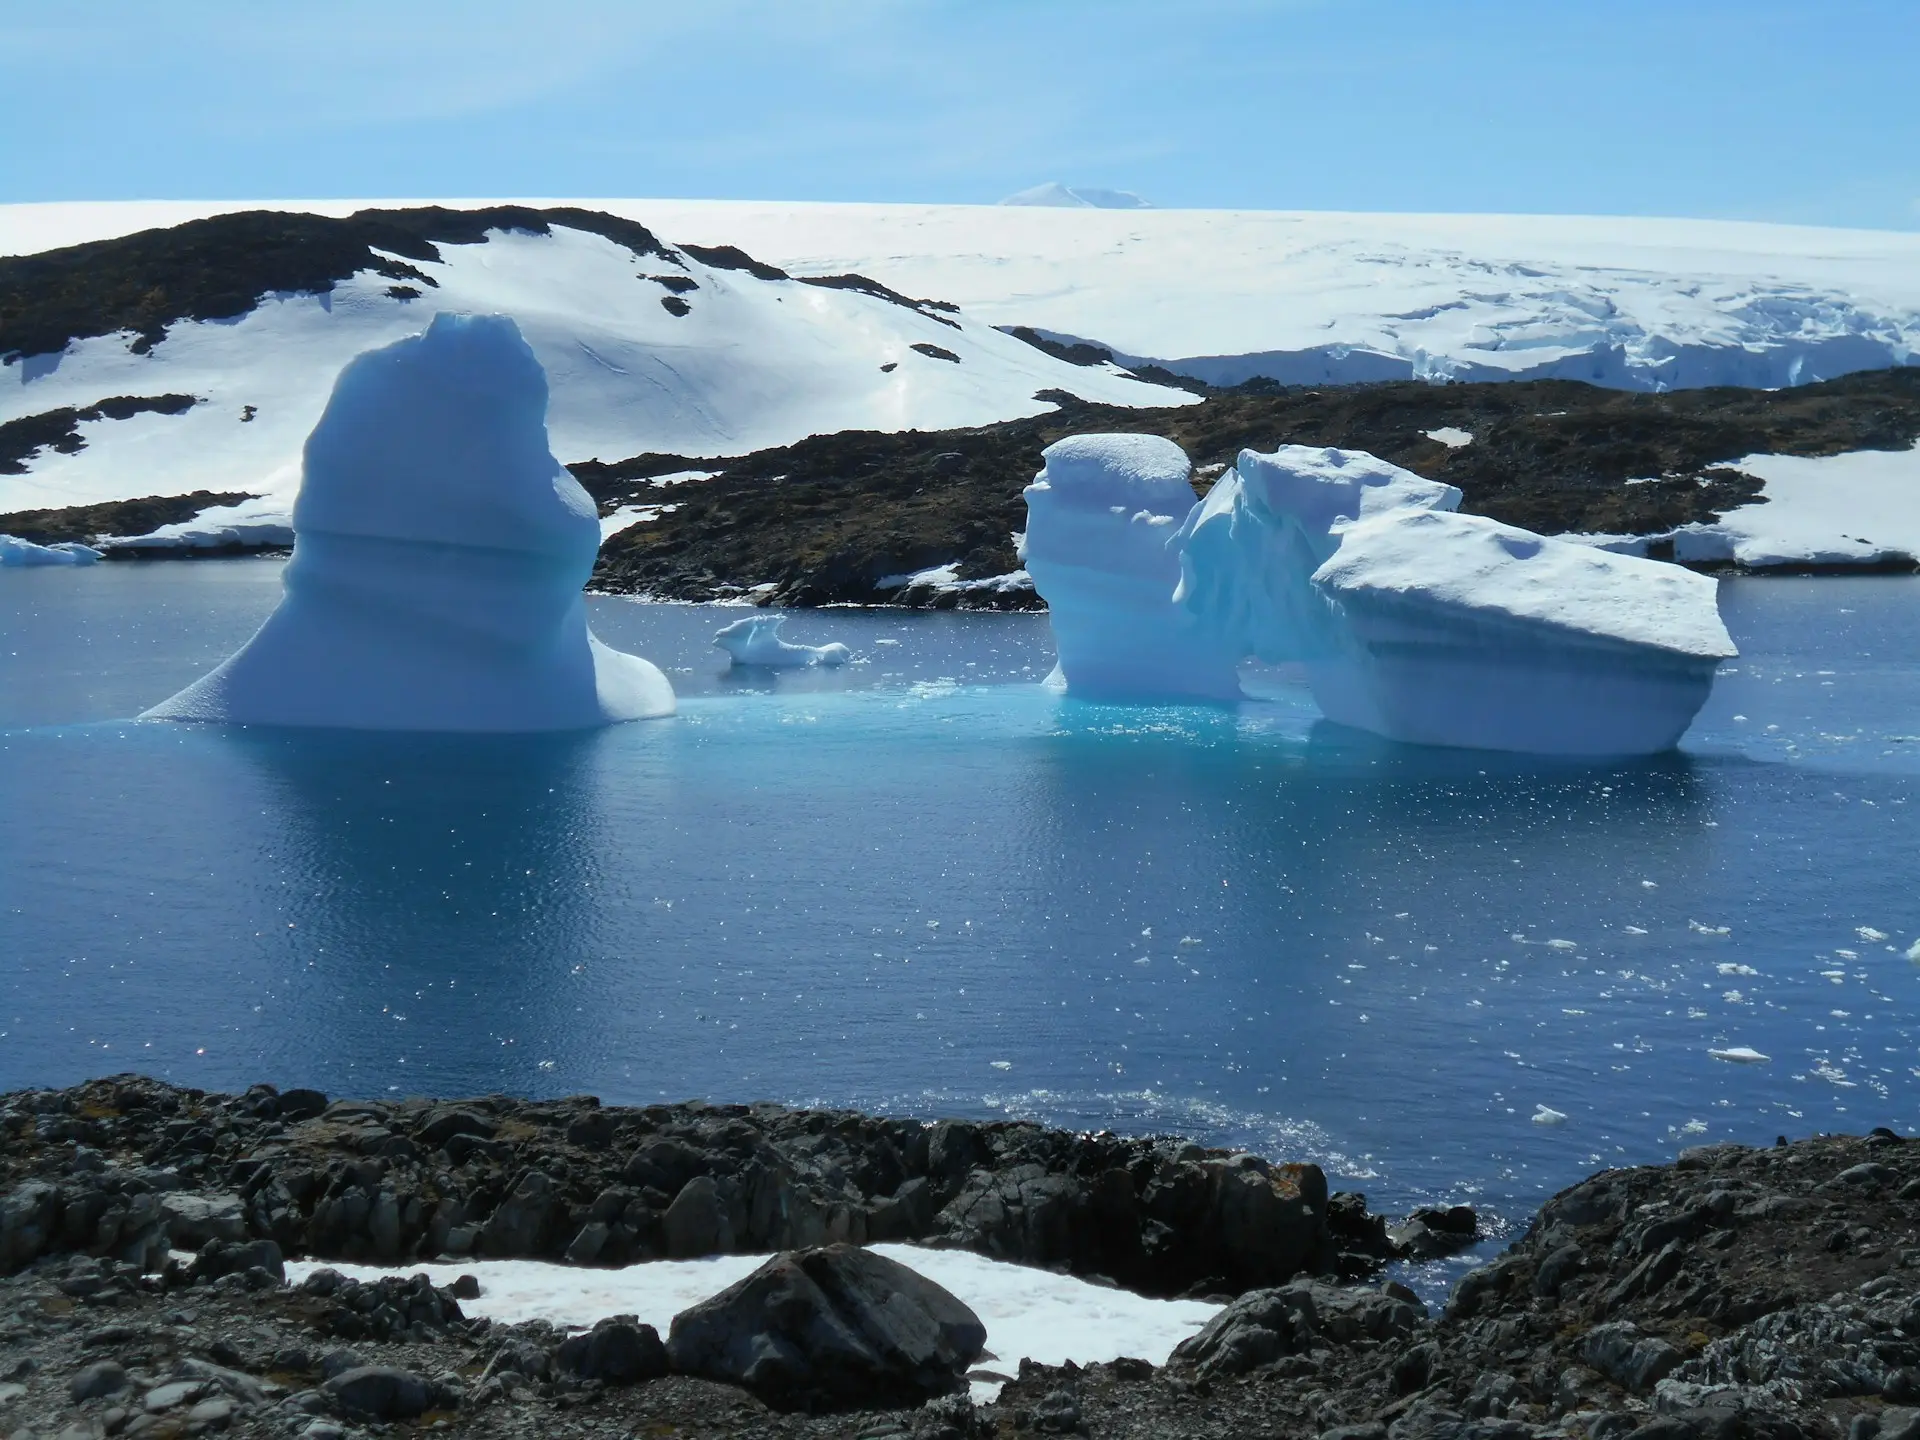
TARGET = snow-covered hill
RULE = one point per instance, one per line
(1306, 297)
(669, 352)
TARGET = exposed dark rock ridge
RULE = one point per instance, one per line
(59, 430)
(219, 267)
(86, 523)
(825, 520)
(121, 1168)
(1738, 1294)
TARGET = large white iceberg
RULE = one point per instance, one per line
(439, 558)
(1408, 619)
(1100, 517)
(756, 641)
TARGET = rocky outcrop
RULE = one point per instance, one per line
(828, 1329)
(127, 1168)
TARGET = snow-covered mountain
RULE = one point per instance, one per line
(1319, 298)
(692, 352)
(1090, 197)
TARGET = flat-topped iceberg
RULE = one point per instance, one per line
(756, 641)
(439, 558)
(1100, 519)
(1409, 619)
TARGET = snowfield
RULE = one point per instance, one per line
(1311, 297)
(752, 363)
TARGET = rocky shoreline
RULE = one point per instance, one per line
(1767, 1292)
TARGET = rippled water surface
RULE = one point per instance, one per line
(927, 884)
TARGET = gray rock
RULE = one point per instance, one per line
(103, 1377)
(1621, 1353)
(1057, 1413)
(29, 1218)
(830, 1327)
(381, 1392)
(1264, 1326)
(617, 1351)
(220, 1257)
(520, 1222)
(192, 1220)
(175, 1393)
(696, 1221)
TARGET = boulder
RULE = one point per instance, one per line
(193, 1220)
(830, 1328)
(618, 1351)
(1263, 1326)
(381, 1392)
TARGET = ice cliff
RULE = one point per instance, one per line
(1407, 619)
(439, 556)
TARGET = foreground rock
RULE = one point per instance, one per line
(126, 1168)
(831, 1328)
(1766, 1293)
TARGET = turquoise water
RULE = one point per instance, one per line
(927, 884)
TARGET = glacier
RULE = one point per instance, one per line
(1408, 619)
(439, 557)
(756, 641)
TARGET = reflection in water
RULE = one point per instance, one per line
(442, 886)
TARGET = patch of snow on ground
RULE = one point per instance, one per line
(1451, 436)
(1031, 1314)
(1851, 509)
(630, 515)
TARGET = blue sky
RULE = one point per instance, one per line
(1752, 109)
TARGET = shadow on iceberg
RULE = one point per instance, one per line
(439, 559)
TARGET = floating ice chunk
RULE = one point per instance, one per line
(1699, 929)
(1562, 945)
(438, 564)
(15, 552)
(1913, 952)
(1632, 930)
(1546, 1115)
(1739, 1055)
(1869, 934)
(1001, 1064)
(1103, 523)
(756, 641)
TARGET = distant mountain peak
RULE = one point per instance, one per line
(1086, 197)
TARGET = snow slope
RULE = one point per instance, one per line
(754, 362)
(1314, 297)
(1861, 508)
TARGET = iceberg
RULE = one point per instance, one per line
(1103, 517)
(439, 557)
(15, 552)
(1409, 620)
(756, 641)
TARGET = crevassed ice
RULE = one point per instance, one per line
(1411, 621)
(439, 558)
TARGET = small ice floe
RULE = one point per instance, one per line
(756, 641)
(17, 552)
(1913, 952)
(1869, 934)
(1632, 930)
(1547, 1115)
(1848, 954)
(1699, 929)
(1562, 945)
(1739, 1055)
(1001, 1064)
(1735, 968)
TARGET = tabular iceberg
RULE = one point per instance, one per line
(440, 552)
(1409, 620)
(756, 641)
(1101, 519)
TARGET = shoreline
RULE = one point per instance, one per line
(1734, 1292)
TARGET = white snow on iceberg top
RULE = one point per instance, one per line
(756, 641)
(439, 557)
(1132, 472)
(1317, 488)
(1471, 563)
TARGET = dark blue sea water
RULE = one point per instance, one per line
(926, 884)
